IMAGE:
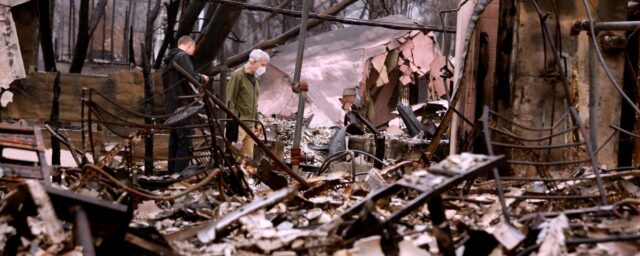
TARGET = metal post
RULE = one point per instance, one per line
(222, 92)
(148, 107)
(606, 25)
(54, 120)
(82, 232)
(295, 150)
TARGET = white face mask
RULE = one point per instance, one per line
(260, 71)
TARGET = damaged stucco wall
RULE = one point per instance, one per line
(11, 66)
(537, 96)
(386, 74)
(480, 68)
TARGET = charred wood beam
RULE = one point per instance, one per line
(54, 120)
(146, 241)
(629, 147)
(211, 10)
(328, 17)
(132, 54)
(215, 33)
(86, 27)
(411, 121)
(46, 41)
(273, 42)
(169, 41)
(502, 83)
(148, 85)
(189, 17)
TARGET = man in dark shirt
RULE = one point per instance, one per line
(175, 85)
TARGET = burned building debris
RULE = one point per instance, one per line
(506, 128)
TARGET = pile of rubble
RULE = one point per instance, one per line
(404, 209)
(313, 141)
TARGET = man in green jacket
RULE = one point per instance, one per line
(243, 90)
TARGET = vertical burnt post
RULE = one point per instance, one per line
(132, 54)
(148, 87)
(148, 110)
(295, 150)
(113, 24)
(54, 120)
(86, 26)
(629, 147)
(222, 91)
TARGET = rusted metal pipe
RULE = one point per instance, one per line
(496, 174)
(295, 150)
(584, 25)
(235, 118)
(82, 232)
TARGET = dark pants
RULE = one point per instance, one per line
(231, 131)
(180, 143)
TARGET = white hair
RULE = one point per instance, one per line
(258, 54)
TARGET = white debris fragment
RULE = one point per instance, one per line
(507, 235)
(368, 246)
(6, 232)
(551, 238)
(148, 210)
(407, 248)
(220, 250)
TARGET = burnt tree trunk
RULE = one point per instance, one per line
(86, 27)
(189, 17)
(215, 33)
(148, 86)
(270, 43)
(132, 54)
(169, 41)
(46, 41)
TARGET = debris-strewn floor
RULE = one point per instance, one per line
(408, 206)
(322, 220)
